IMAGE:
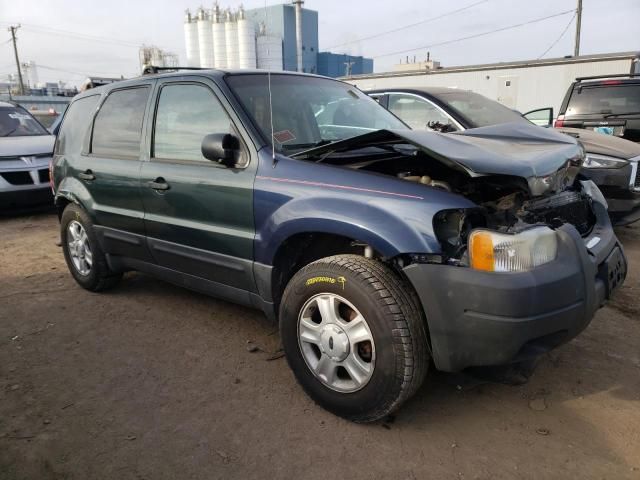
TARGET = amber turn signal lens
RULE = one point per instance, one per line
(481, 246)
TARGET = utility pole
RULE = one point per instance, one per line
(13, 29)
(576, 51)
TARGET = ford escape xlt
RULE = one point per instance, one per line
(377, 248)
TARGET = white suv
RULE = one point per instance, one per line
(25, 151)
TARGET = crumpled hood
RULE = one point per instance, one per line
(518, 149)
(26, 145)
(603, 144)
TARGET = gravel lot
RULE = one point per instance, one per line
(150, 381)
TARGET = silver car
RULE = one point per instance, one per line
(25, 152)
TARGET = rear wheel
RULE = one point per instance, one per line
(354, 336)
(82, 252)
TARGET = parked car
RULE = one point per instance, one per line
(376, 247)
(612, 163)
(26, 149)
(607, 104)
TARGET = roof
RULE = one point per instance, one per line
(609, 81)
(7, 104)
(215, 73)
(426, 90)
(602, 57)
(221, 72)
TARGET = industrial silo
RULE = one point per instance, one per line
(205, 39)
(191, 41)
(231, 40)
(269, 50)
(246, 41)
(219, 40)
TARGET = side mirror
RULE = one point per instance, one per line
(542, 117)
(221, 147)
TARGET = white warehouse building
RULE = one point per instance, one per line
(227, 39)
(521, 85)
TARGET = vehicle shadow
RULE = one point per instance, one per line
(36, 211)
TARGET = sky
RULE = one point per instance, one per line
(59, 35)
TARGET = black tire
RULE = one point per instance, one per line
(100, 276)
(396, 322)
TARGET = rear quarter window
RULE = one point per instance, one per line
(75, 125)
(117, 128)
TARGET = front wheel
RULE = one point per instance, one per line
(354, 336)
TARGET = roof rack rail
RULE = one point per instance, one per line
(616, 75)
(152, 69)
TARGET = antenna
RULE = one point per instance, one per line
(273, 145)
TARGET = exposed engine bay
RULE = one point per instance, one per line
(517, 179)
(505, 203)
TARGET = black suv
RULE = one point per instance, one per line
(608, 104)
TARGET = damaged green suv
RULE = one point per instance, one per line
(379, 250)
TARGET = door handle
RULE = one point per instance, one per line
(87, 175)
(159, 184)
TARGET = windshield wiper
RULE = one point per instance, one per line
(294, 146)
(609, 115)
(10, 132)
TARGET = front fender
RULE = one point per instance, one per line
(393, 216)
(390, 231)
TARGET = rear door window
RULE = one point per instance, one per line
(187, 113)
(118, 125)
(606, 99)
(76, 124)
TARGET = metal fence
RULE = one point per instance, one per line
(31, 102)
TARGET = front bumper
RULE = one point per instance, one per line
(480, 318)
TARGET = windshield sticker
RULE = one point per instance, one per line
(19, 116)
(284, 136)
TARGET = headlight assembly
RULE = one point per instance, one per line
(498, 252)
(594, 160)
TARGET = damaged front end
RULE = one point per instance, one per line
(541, 252)
(516, 214)
(523, 180)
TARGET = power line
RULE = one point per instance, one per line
(82, 74)
(421, 22)
(78, 35)
(560, 37)
(469, 37)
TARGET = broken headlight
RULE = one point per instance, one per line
(498, 252)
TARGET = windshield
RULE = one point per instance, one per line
(17, 122)
(479, 110)
(619, 99)
(309, 111)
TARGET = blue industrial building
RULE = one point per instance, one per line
(280, 20)
(340, 64)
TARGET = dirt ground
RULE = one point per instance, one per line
(150, 381)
